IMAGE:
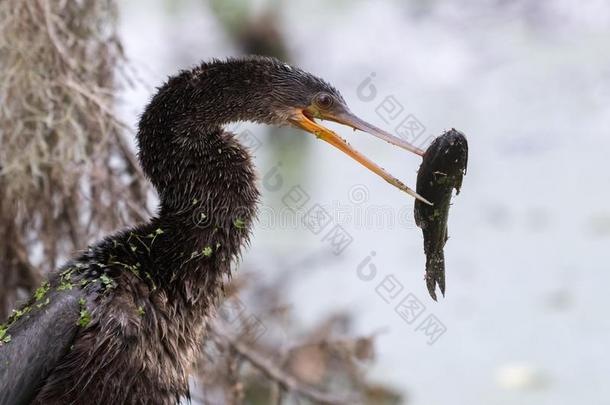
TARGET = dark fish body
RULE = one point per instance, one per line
(442, 171)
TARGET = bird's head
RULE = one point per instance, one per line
(301, 99)
(264, 90)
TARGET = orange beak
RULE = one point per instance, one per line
(301, 120)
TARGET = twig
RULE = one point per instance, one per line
(272, 371)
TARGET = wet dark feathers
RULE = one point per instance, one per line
(149, 290)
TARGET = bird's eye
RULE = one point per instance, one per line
(324, 100)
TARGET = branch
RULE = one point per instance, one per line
(275, 373)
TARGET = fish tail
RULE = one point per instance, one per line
(435, 273)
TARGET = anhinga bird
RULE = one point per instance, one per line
(123, 322)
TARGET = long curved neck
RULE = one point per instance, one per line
(184, 150)
(205, 179)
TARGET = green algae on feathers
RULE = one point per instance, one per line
(84, 315)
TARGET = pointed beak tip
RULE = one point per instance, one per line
(301, 119)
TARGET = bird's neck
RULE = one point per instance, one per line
(184, 149)
(204, 177)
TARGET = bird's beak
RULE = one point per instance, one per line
(303, 119)
(351, 120)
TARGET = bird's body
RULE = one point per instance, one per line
(141, 298)
(150, 289)
(145, 314)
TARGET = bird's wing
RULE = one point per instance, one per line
(38, 340)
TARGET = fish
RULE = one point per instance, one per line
(441, 171)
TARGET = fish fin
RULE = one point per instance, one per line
(458, 184)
